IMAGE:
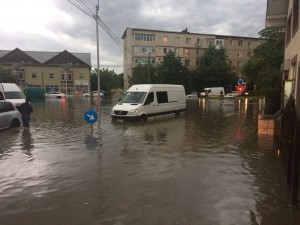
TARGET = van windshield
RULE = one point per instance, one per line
(14, 95)
(133, 97)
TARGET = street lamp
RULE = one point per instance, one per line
(149, 67)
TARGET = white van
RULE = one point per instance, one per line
(144, 101)
(212, 92)
(13, 93)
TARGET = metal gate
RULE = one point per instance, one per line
(289, 146)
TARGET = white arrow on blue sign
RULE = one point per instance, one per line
(91, 116)
(240, 82)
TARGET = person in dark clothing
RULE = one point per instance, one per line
(25, 110)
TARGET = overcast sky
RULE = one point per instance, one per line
(57, 25)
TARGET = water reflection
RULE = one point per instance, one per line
(207, 167)
(27, 142)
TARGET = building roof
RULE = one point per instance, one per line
(185, 31)
(42, 57)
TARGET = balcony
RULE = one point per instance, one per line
(276, 13)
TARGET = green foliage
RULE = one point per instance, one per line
(108, 80)
(213, 70)
(6, 75)
(171, 71)
(264, 67)
(139, 75)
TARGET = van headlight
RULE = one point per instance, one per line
(132, 112)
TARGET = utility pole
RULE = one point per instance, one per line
(149, 67)
(98, 73)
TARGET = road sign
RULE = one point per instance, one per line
(240, 82)
(240, 88)
(91, 116)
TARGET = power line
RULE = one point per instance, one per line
(83, 7)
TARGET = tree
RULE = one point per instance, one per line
(171, 71)
(108, 80)
(213, 70)
(139, 75)
(6, 75)
(264, 67)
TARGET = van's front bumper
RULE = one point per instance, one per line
(125, 118)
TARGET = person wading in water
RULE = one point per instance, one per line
(25, 110)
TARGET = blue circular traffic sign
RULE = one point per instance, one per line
(240, 82)
(91, 116)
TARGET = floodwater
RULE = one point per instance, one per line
(208, 167)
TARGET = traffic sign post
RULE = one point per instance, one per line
(241, 86)
(91, 117)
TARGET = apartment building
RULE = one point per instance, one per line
(285, 13)
(143, 46)
(53, 71)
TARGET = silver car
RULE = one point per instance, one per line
(55, 94)
(9, 115)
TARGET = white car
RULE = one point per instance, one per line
(55, 94)
(194, 95)
(9, 115)
(235, 93)
(94, 94)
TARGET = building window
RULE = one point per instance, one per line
(141, 60)
(51, 75)
(250, 44)
(231, 42)
(198, 51)
(144, 37)
(249, 54)
(81, 76)
(239, 64)
(187, 51)
(33, 75)
(197, 62)
(198, 40)
(177, 40)
(188, 40)
(240, 43)
(51, 88)
(187, 62)
(295, 15)
(240, 54)
(165, 39)
(288, 29)
(143, 49)
(176, 50)
(165, 50)
(219, 42)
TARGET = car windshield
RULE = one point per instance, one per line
(14, 95)
(133, 97)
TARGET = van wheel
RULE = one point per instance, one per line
(15, 123)
(177, 114)
(143, 118)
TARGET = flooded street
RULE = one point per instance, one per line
(208, 167)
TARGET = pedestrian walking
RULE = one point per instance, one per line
(25, 110)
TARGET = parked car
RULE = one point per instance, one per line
(55, 94)
(94, 94)
(235, 93)
(229, 96)
(193, 95)
(9, 115)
